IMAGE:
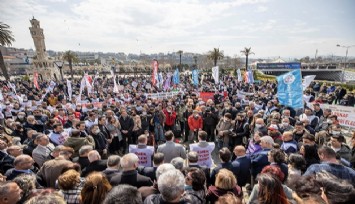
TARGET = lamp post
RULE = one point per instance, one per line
(347, 50)
(180, 53)
(346, 57)
(60, 64)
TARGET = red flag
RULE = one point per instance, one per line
(155, 72)
(35, 80)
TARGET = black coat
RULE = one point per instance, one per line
(148, 172)
(132, 178)
(244, 173)
(206, 170)
(98, 165)
(229, 165)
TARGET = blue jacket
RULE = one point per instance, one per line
(243, 176)
(337, 170)
(289, 146)
(259, 161)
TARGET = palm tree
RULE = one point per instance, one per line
(215, 55)
(180, 53)
(70, 57)
(6, 39)
(247, 52)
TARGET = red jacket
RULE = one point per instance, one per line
(195, 123)
(169, 117)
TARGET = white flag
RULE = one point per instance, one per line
(307, 80)
(115, 86)
(239, 75)
(1, 96)
(70, 91)
(215, 74)
(12, 86)
(82, 86)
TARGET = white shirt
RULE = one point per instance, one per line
(204, 153)
(144, 154)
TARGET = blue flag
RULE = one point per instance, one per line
(195, 77)
(176, 77)
(289, 89)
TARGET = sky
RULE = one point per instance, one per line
(272, 28)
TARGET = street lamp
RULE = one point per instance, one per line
(347, 50)
(180, 53)
(60, 64)
(346, 57)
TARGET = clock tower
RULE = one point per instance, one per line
(38, 39)
(42, 64)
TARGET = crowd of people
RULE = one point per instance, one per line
(107, 146)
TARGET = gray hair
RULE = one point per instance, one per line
(267, 139)
(94, 156)
(163, 168)
(178, 163)
(129, 160)
(85, 149)
(113, 161)
(123, 194)
(171, 185)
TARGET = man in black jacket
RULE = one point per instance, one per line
(210, 120)
(158, 159)
(127, 125)
(225, 156)
(96, 164)
(193, 158)
(129, 175)
(241, 130)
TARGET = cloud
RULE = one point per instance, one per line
(261, 9)
(163, 25)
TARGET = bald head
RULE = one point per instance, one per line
(260, 121)
(94, 156)
(239, 151)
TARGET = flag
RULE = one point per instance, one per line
(70, 90)
(307, 80)
(289, 89)
(176, 77)
(160, 79)
(215, 74)
(12, 86)
(202, 78)
(250, 76)
(35, 80)
(155, 72)
(82, 86)
(195, 77)
(88, 82)
(115, 86)
(167, 81)
(239, 75)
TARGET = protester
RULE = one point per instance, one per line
(149, 121)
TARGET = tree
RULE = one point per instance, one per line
(215, 55)
(180, 53)
(247, 52)
(6, 39)
(70, 57)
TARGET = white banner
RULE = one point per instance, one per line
(239, 75)
(346, 114)
(307, 80)
(215, 74)
(70, 90)
(242, 94)
(161, 95)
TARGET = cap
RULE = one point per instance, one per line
(273, 127)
